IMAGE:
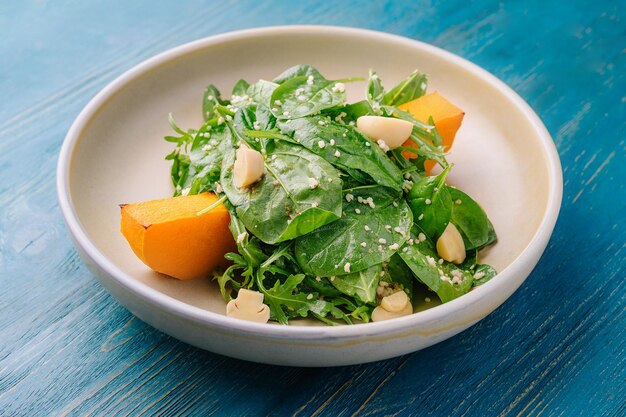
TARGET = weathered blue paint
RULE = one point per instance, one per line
(555, 348)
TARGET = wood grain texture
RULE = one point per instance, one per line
(556, 348)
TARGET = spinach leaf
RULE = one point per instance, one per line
(431, 204)
(240, 88)
(444, 278)
(471, 220)
(374, 225)
(410, 89)
(261, 92)
(299, 192)
(297, 71)
(361, 285)
(210, 99)
(349, 113)
(306, 95)
(320, 285)
(483, 273)
(346, 148)
(396, 270)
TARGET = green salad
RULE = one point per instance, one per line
(330, 222)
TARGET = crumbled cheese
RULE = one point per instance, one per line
(420, 217)
(349, 197)
(338, 88)
(395, 246)
(314, 204)
(278, 103)
(321, 144)
(388, 227)
(313, 183)
(421, 237)
(337, 154)
(301, 98)
(364, 244)
(382, 240)
(427, 201)
(357, 211)
(310, 80)
(479, 275)
(381, 143)
(309, 297)
(332, 142)
(367, 228)
(457, 201)
(431, 261)
(346, 267)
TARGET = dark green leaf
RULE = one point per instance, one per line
(284, 301)
(261, 92)
(444, 278)
(360, 285)
(297, 71)
(306, 95)
(240, 88)
(346, 148)
(396, 270)
(357, 240)
(431, 204)
(210, 99)
(471, 220)
(299, 192)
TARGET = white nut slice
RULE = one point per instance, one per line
(380, 314)
(450, 245)
(395, 302)
(391, 131)
(248, 167)
(248, 306)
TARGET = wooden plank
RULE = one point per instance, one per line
(555, 348)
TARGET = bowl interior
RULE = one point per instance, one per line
(119, 157)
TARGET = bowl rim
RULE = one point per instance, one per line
(530, 255)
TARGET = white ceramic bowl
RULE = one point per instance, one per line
(114, 154)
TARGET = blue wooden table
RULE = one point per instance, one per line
(557, 347)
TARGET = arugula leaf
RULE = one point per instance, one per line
(375, 92)
(305, 95)
(346, 148)
(210, 99)
(283, 296)
(410, 89)
(360, 285)
(366, 235)
(431, 204)
(471, 220)
(444, 278)
(299, 192)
